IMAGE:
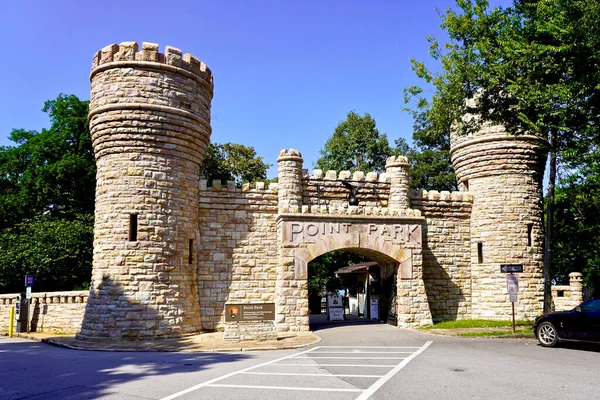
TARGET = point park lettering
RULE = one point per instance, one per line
(299, 232)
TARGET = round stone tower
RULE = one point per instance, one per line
(150, 125)
(504, 173)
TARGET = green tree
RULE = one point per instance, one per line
(532, 67)
(233, 162)
(356, 145)
(57, 251)
(47, 186)
(51, 172)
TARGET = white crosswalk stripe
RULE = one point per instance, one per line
(344, 363)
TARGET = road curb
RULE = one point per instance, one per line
(175, 347)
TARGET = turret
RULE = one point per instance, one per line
(504, 173)
(150, 124)
(397, 168)
(289, 181)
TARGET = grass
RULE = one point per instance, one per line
(476, 323)
(497, 333)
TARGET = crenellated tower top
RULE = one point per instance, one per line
(127, 54)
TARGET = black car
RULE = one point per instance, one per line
(580, 324)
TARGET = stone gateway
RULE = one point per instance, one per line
(173, 256)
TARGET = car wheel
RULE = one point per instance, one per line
(547, 334)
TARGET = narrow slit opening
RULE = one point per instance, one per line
(529, 234)
(133, 227)
(480, 253)
(191, 251)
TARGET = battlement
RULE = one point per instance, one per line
(127, 53)
(289, 154)
(230, 186)
(434, 195)
(344, 209)
(397, 161)
(357, 176)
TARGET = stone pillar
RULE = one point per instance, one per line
(397, 168)
(576, 284)
(289, 173)
(504, 174)
(150, 126)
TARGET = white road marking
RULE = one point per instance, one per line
(325, 375)
(203, 384)
(308, 389)
(359, 358)
(374, 387)
(362, 352)
(366, 347)
(365, 393)
(339, 365)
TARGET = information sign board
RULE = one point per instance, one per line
(28, 293)
(335, 309)
(513, 297)
(29, 280)
(512, 283)
(250, 312)
(374, 309)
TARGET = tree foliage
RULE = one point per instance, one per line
(47, 186)
(532, 67)
(57, 251)
(356, 145)
(51, 172)
(233, 162)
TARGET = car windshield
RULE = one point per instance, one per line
(591, 306)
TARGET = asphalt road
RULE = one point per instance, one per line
(351, 362)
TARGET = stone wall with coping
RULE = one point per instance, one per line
(326, 190)
(446, 252)
(56, 312)
(237, 250)
(567, 297)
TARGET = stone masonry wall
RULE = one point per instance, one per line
(567, 297)
(326, 190)
(237, 251)
(58, 312)
(446, 252)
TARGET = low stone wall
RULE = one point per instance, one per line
(48, 312)
(567, 297)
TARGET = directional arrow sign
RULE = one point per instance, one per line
(511, 268)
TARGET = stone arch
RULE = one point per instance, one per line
(382, 251)
(394, 240)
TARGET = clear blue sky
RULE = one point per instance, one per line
(286, 72)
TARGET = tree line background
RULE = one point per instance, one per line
(533, 67)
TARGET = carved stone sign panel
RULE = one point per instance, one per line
(310, 231)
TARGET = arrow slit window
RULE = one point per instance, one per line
(133, 227)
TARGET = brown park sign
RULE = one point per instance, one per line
(250, 312)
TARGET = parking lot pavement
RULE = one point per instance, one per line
(342, 372)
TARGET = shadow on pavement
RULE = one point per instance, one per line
(319, 322)
(35, 370)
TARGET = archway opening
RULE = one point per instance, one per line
(352, 285)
